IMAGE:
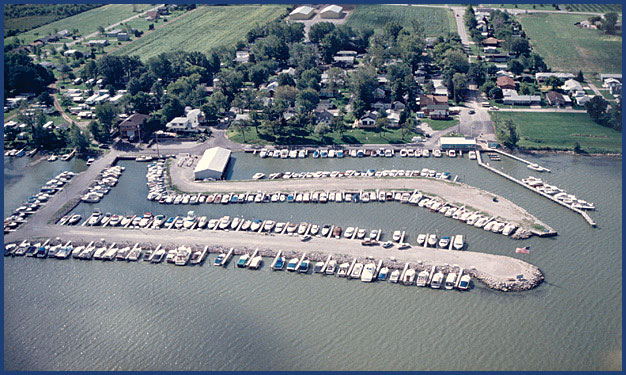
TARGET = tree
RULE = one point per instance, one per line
(577, 148)
(515, 66)
(459, 82)
(507, 133)
(363, 83)
(554, 82)
(520, 46)
(496, 93)
(477, 73)
(78, 139)
(45, 98)
(579, 77)
(487, 86)
(307, 100)
(608, 23)
(596, 108)
(106, 114)
(321, 129)
(525, 89)
(286, 93)
(319, 30)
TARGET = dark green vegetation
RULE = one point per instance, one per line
(19, 18)
(599, 111)
(566, 47)
(433, 21)
(21, 75)
(560, 131)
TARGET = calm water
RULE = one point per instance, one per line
(71, 315)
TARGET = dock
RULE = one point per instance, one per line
(203, 255)
(256, 251)
(300, 261)
(406, 267)
(326, 263)
(430, 276)
(262, 226)
(134, 216)
(285, 228)
(402, 237)
(350, 268)
(240, 224)
(458, 278)
(516, 158)
(355, 233)
(276, 259)
(330, 233)
(149, 259)
(378, 267)
(380, 233)
(515, 180)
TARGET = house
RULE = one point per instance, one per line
(241, 118)
(69, 52)
(430, 42)
(343, 61)
(382, 104)
(289, 113)
(440, 88)
(112, 33)
(604, 77)
(332, 12)
(398, 106)
(582, 99)
(302, 13)
(511, 97)
(378, 93)
(189, 123)
(614, 86)
(152, 15)
(367, 121)
(98, 42)
(322, 116)
(434, 106)
(393, 118)
(540, 77)
(497, 57)
(63, 33)
(555, 99)
(490, 50)
(504, 73)
(457, 143)
(382, 80)
(131, 127)
(163, 10)
(571, 85)
(242, 57)
(491, 41)
(48, 39)
(123, 37)
(505, 82)
(586, 24)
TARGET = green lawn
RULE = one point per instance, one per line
(565, 47)
(434, 21)
(86, 22)
(560, 131)
(441, 124)
(203, 29)
(351, 136)
(594, 8)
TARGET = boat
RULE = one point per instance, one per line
(421, 239)
(202, 222)
(52, 158)
(450, 281)
(337, 232)
(224, 222)
(383, 274)
(279, 264)
(74, 219)
(396, 235)
(302, 228)
(508, 229)
(318, 267)
(432, 240)
(325, 230)
(256, 225)
(305, 238)
(437, 280)
(395, 276)
(464, 284)
(349, 232)
(256, 262)
(403, 245)
(343, 269)
(293, 263)
(219, 260)
(409, 277)
(356, 271)
(241, 263)
(458, 242)
(331, 268)
(269, 225)
(235, 223)
(182, 256)
(314, 230)
(304, 266)
(444, 242)
(472, 155)
(368, 272)
(422, 278)
(452, 153)
(258, 176)
(157, 257)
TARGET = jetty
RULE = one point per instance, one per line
(516, 158)
(587, 218)
(227, 257)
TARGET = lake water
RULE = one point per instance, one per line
(74, 315)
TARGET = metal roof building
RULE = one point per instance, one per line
(212, 164)
(331, 11)
(457, 143)
(302, 13)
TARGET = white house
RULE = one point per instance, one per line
(571, 85)
(188, 124)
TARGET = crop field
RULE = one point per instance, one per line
(434, 21)
(594, 8)
(561, 131)
(86, 22)
(565, 47)
(203, 29)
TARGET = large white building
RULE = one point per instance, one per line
(332, 11)
(302, 13)
(212, 164)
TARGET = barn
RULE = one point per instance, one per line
(212, 164)
(302, 13)
(332, 11)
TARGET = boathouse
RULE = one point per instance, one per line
(212, 164)
(457, 143)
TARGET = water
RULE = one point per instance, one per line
(72, 315)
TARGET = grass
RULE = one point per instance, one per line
(302, 137)
(594, 8)
(203, 29)
(561, 131)
(523, 6)
(565, 47)
(434, 21)
(441, 124)
(86, 22)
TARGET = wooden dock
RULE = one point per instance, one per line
(323, 270)
(430, 276)
(350, 268)
(228, 256)
(515, 180)
(406, 267)
(516, 158)
(276, 259)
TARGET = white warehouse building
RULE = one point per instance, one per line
(332, 11)
(212, 164)
(302, 13)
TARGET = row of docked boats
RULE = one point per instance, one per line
(444, 242)
(101, 186)
(354, 153)
(558, 193)
(425, 172)
(36, 201)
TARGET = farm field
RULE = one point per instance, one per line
(86, 22)
(203, 29)
(24, 17)
(568, 48)
(434, 21)
(561, 131)
(595, 8)
(520, 6)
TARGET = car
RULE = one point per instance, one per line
(494, 108)
(471, 112)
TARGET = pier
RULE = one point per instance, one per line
(587, 218)
(280, 252)
(326, 263)
(300, 261)
(256, 251)
(350, 268)
(228, 256)
(430, 276)
(515, 157)
(406, 267)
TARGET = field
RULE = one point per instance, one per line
(441, 124)
(595, 8)
(561, 131)
(203, 29)
(86, 22)
(568, 48)
(520, 6)
(434, 21)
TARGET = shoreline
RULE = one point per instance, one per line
(497, 272)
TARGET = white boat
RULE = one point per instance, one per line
(458, 242)
(397, 235)
(395, 276)
(465, 282)
(269, 225)
(409, 277)
(189, 220)
(302, 228)
(343, 270)
(368, 272)
(318, 267)
(331, 268)
(508, 229)
(356, 271)
(432, 240)
(437, 280)
(472, 155)
(421, 239)
(349, 232)
(256, 262)
(422, 278)
(258, 176)
(450, 281)
(224, 222)
(444, 242)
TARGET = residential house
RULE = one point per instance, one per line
(343, 60)
(367, 121)
(556, 99)
(540, 77)
(505, 82)
(112, 33)
(511, 97)
(123, 37)
(131, 127)
(98, 42)
(434, 106)
(614, 86)
(163, 10)
(322, 116)
(440, 88)
(393, 118)
(382, 104)
(189, 123)
(497, 57)
(242, 57)
(604, 77)
(378, 93)
(504, 73)
(571, 85)
(241, 118)
(152, 15)
(398, 106)
(491, 41)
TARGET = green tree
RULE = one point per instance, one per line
(78, 139)
(106, 114)
(608, 23)
(507, 133)
(579, 77)
(307, 100)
